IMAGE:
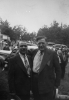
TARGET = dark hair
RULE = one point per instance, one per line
(40, 37)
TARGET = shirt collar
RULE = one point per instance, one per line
(21, 54)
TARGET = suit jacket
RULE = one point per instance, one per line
(18, 79)
(49, 74)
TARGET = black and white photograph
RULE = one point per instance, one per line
(34, 49)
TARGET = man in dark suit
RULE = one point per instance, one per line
(46, 71)
(19, 73)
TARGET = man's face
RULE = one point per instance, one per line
(41, 44)
(23, 48)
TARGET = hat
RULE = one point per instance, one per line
(22, 43)
(40, 37)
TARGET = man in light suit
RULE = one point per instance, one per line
(19, 73)
(46, 71)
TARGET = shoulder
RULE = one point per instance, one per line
(13, 58)
(35, 51)
(51, 51)
(32, 52)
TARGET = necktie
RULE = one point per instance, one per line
(26, 62)
(39, 62)
(27, 65)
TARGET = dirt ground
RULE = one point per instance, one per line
(64, 86)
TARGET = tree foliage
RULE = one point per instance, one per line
(55, 33)
(16, 32)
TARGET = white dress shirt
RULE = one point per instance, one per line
(37, 62)
(22, 58)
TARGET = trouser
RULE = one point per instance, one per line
(24, 97)
(4, 95)
(45, 96)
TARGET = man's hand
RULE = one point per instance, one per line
(57, 95)
(12, 96)
(12, 99)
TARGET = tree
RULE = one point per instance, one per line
(56, 33)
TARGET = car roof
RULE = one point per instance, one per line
(5, 51)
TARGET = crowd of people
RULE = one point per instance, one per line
(37, 73)
(63, 60)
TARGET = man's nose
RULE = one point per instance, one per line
(41, 44)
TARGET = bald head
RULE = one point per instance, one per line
(23, 47)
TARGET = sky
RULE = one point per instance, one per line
(34, 14)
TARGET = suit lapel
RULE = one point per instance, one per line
(20, 63)
(46, 58)
(34, 53)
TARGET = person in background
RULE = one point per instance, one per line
(61, 61)
(46, 71)
(6, 47)
(19, 74)
(4, 89)
(65, 60)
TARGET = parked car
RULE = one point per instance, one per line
(4, 53)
